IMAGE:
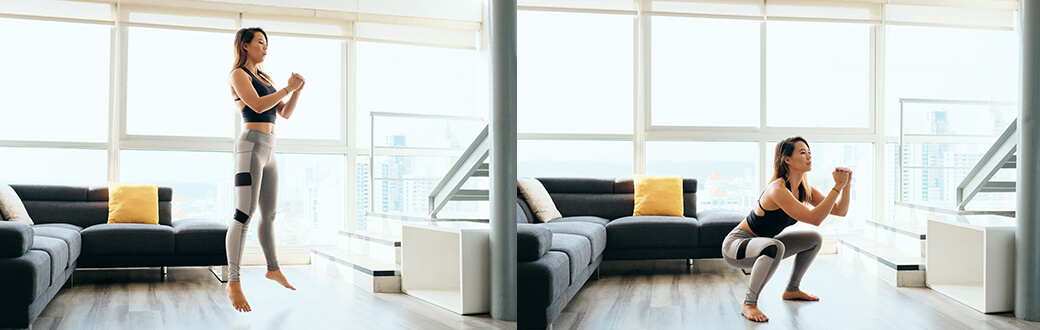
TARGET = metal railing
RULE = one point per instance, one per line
(375, 150)
(1000, 155)
(935, 138)
(470, 163)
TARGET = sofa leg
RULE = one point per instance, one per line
(689, 262)
(163, 270)
(597, 278)
(68, 284)
(222, 274)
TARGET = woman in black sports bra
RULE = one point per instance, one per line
(256, 171)
(764, 238)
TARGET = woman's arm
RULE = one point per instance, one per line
(799, 211)
(286, 109)
(783, 198)
(243, 86)
(842, 207)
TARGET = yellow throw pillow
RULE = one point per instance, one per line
(133, 203)
(658, 195)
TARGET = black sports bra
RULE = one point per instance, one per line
(772, 222)
(250, 116)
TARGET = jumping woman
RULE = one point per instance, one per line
(256, 173)
(763, 238)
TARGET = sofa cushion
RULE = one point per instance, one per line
(578, 250)
(532, 241)
(128, 239)
(58, 251)
(608, 206)
(578, 185)
(594, 233)
(658, 195)
(199, 236)
(133, 203)
(716, 224)
(81, 214)
(538, 199)
(652, 232)
(588, 219)
(627, 186)
(65, 232)
(11, 207)
(521, 215)
(15, 239)
(67, 226)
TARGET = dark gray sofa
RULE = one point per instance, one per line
(555, 259)
(71, 231)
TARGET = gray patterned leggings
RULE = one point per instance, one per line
(256, 185)
(741, 249)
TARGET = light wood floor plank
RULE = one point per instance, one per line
(668, 294)
(192, 298)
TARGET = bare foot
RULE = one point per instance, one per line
(277, 276)
(751, 312)
(238, 298)
(799, 295)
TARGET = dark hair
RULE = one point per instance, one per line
(785, 148)
(242, 38)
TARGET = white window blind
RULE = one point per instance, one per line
(993, 18)
(53, 8)
(997, 14)
(450, 23)
(579, 4)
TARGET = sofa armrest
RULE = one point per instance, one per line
(532, 241)
(15, 239)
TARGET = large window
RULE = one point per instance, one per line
(56, 81)
(574, 73)
(177, 83)
(948, 64)
(86, 167)
(941, 75)
(604, 159)
(319, 111)
(416, 80)
(726, 172)
(705, 72)
(429, 106)
(311, 198)
(817, 74)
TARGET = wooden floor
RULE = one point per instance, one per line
(709, 294)
(192, 298)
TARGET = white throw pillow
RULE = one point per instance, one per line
(11, 206)
(538, 198)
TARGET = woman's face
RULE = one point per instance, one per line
(801, 158)
(256, 50)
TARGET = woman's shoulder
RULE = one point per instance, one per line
(777, 186)
(238, 73)
(776, 183)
